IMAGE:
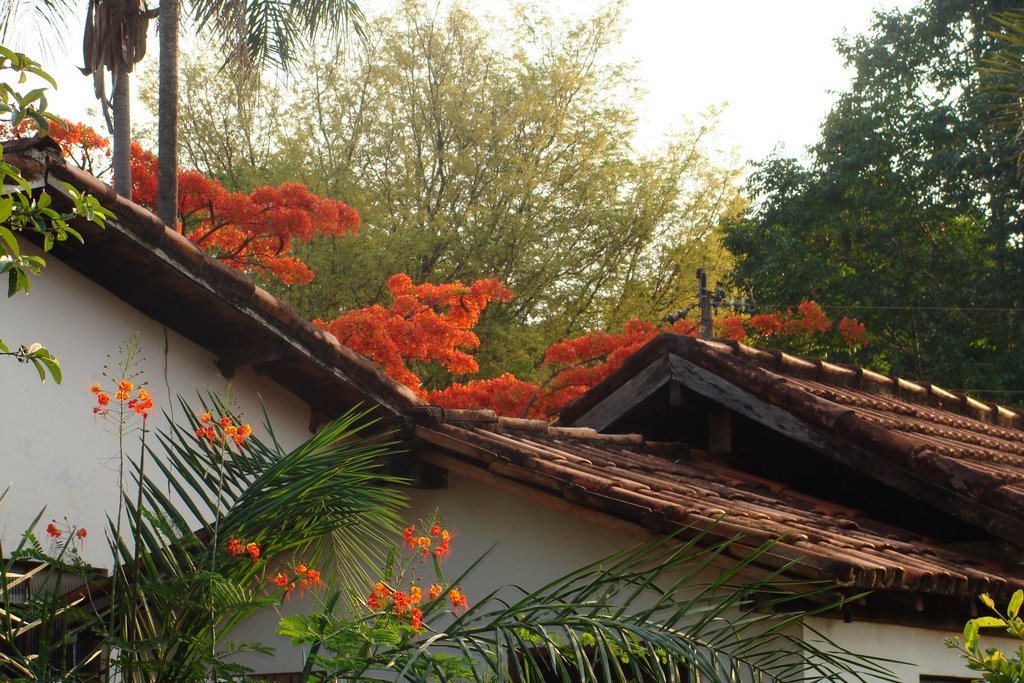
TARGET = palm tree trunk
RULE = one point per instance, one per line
(122, 133)
(167, 135)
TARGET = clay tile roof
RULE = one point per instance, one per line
(167, 277)
(956, 453)
(961, 456)
(623, 478)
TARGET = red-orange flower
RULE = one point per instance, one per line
(281, 579)
(457, 597)
(81, 533)
(253, 550)
(53, 531)
(435, 590)
(423, 543)
(312, 578)
(416, 620)
(435, 530)
(141, 405)
(402, 601)
(124, 387)
(235, 547)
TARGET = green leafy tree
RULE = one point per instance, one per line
(907, 214)
(478, 150)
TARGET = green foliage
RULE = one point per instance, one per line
(1005, 66)
(23, 211)
(994, 665)
(907, 215)
(180, 592)
(175, 594)
(31, 105)
(36, 614)
(475, 150)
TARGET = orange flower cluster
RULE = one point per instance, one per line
(854, 332)
(425, 323)
(249, 232)
(80, 144)
(433, 539)
(425, 543)
(54, 531)
(240, 549)
(228, 430)
(142, 403)
(384, 599)
(305, 578)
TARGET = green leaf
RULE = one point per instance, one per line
(31, 96)
(8, 237)
(6, 206)
(987, 601)
(39, 368)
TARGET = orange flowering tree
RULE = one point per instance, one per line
(575, 365)
(433, 324)
(252, 232)
(424, 324)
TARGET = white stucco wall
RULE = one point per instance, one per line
(917, 651)
(533, 545)
(53, 451)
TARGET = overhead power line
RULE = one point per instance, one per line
(966, 309)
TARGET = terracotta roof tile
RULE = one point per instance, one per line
(619, 477)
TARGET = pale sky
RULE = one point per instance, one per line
(773, 63)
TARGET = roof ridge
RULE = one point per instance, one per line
(863, 379)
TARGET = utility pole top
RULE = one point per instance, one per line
(706, 329)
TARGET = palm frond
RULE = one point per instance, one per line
(179, 589)
(647, 613)
(260, 33)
